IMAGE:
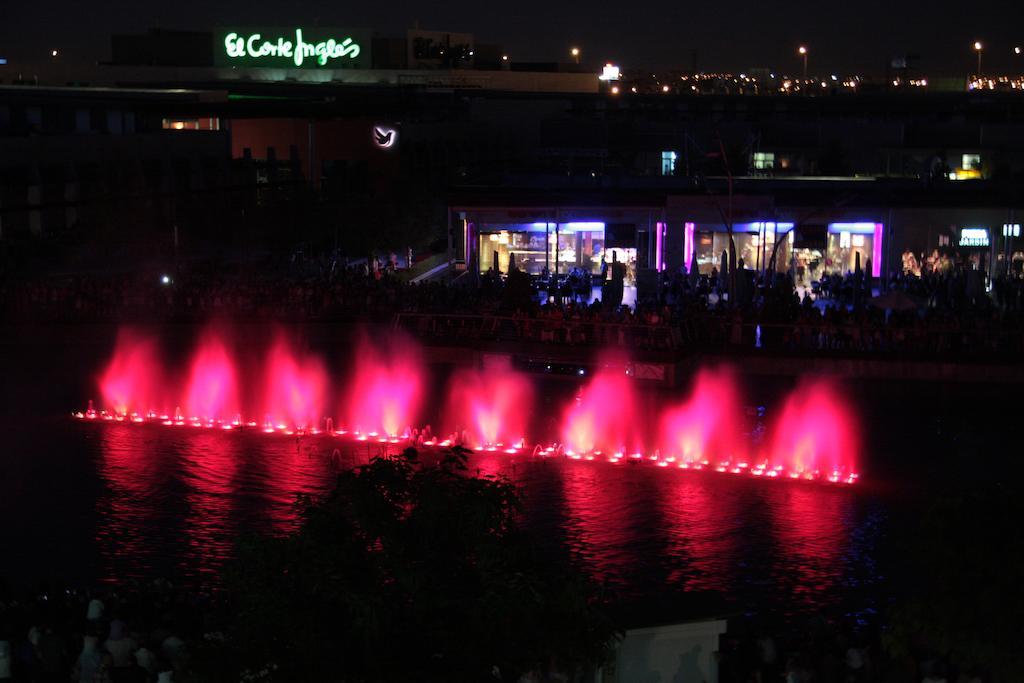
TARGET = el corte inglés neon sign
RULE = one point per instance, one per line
(257, 46)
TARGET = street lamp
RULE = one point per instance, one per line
(575, 54)
(978, 48)
(803, 53)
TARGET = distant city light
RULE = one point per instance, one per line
(977, 45)
(664, 88)
(1016, 50)
(165, 279)
(609, 73)
(615, 90)
(802, 50)
(3, 60)
(504, 58)
(53, 53)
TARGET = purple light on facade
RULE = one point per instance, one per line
(688, 246)
(659, 264)
(876, 251)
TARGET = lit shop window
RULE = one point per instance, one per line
(668, 163)
(970, 162)
(1011, 230)
(764, 160)
(205, 123)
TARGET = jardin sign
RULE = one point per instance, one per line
(316, 47)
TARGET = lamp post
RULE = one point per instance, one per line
(978, 48)
(575, 52)
(803, 53)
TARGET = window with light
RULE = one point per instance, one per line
(764, 161)
(668, 163)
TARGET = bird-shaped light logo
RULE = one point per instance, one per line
(384, 137)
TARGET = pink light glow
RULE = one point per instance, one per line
(876, 251)
(816, 431)
(212, 391)
(603, 414)
(492, 407)
(132, 379)
(659, 236)
(709, 422)
(688, 245)
(385, 393)
(295, 388)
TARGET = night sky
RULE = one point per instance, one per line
(843, 37)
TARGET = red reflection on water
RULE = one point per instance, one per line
(816, 431)
(210, 463)
(295, 388)
(702, 521)
(492, 408)
(602, 417)
(132, 380)
(212, 392)
(135, 499)
(490, 465)
(810, 532)
(597, 503)
(384, 395)
(709, 424)
(301, 465)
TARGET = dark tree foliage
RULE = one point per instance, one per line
(408, 571)
(964, 598)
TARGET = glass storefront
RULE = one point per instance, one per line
(755, 243)
(843, 249)
(526, 247)
(537, 245)
(819, 251)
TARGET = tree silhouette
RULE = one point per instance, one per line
(408, 571)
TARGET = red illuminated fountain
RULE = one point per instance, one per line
(491, 409)
(132, 380)
(212, 392)
(707, 429)
(295, 389)
(602, 418)
(815, 436)
(384, 395)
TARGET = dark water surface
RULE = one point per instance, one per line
(88, 503)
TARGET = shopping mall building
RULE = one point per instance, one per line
(817, 226)
(541, 163)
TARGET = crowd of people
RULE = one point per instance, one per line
(940, 310)
(150, 633)
(139, 633)
(818, 650)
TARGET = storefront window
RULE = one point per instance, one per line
(755, 247)
(526, 247)
(536, 245)
(843, 249)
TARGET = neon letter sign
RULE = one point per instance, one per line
(256, 47)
